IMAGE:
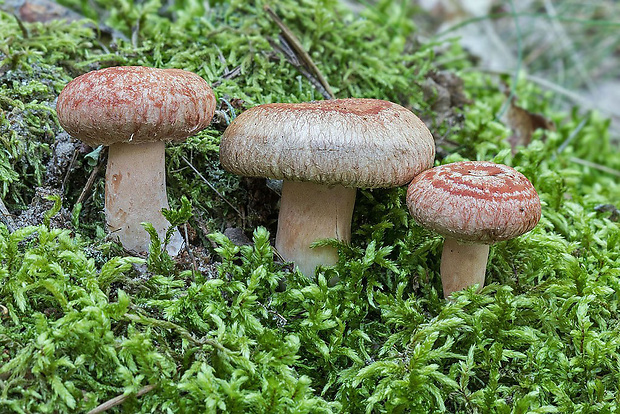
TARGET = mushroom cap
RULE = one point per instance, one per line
(135, 104)
(352, 142)
(476, 201)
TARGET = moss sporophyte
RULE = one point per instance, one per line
(229, 327)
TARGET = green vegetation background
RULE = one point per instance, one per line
(81, 323)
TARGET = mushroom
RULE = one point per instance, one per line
(324, 150)
(472, 204)
(135, 110)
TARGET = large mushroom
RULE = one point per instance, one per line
(472, 204)
(135, 111)
(323, 151)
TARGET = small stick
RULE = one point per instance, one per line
(89, 183)
(118, 400)
(92, 176)
(290, 56)
(7, 218)
(190, 254)
(181, 330)
(295, 44)
(222, 59)
(64, 181)
(228, 75)
(211, 186)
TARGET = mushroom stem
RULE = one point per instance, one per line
(309, 212)
(462, 265)
(135, 192)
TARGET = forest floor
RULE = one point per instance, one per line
(228, 326)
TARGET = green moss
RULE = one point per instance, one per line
(80, 323)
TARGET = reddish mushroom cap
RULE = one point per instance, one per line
(475, 201)
(367, 143)
(135, 104)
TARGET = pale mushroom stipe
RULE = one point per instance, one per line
(472, 204)
(323, 151)
(135, 110)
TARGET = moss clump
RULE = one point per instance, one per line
(358, 56)
(80, 323)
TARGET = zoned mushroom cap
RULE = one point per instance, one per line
(352, 142)
(135, 104)
(475, 201)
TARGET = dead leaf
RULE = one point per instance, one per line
(523, 123)
(237, 236)
(444, 90)
(45, 11)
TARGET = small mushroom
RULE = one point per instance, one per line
(323, 151)
(472, 204)
(135, 110)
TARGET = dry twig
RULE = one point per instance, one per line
(295, 54)
(212, 187)
(7, 218)
(91, 179)
(69, 168)
(118, 400)
(190, 254)
(228, 74)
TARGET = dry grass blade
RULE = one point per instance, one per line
(212, 187)
(570, 138)
(69, 168)
(301, 56)
(7, 218)
(595, 166)
(119, 400)
(91, 178)
(284, 48)
(228, 74)
(566, 43)
(189, 253)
